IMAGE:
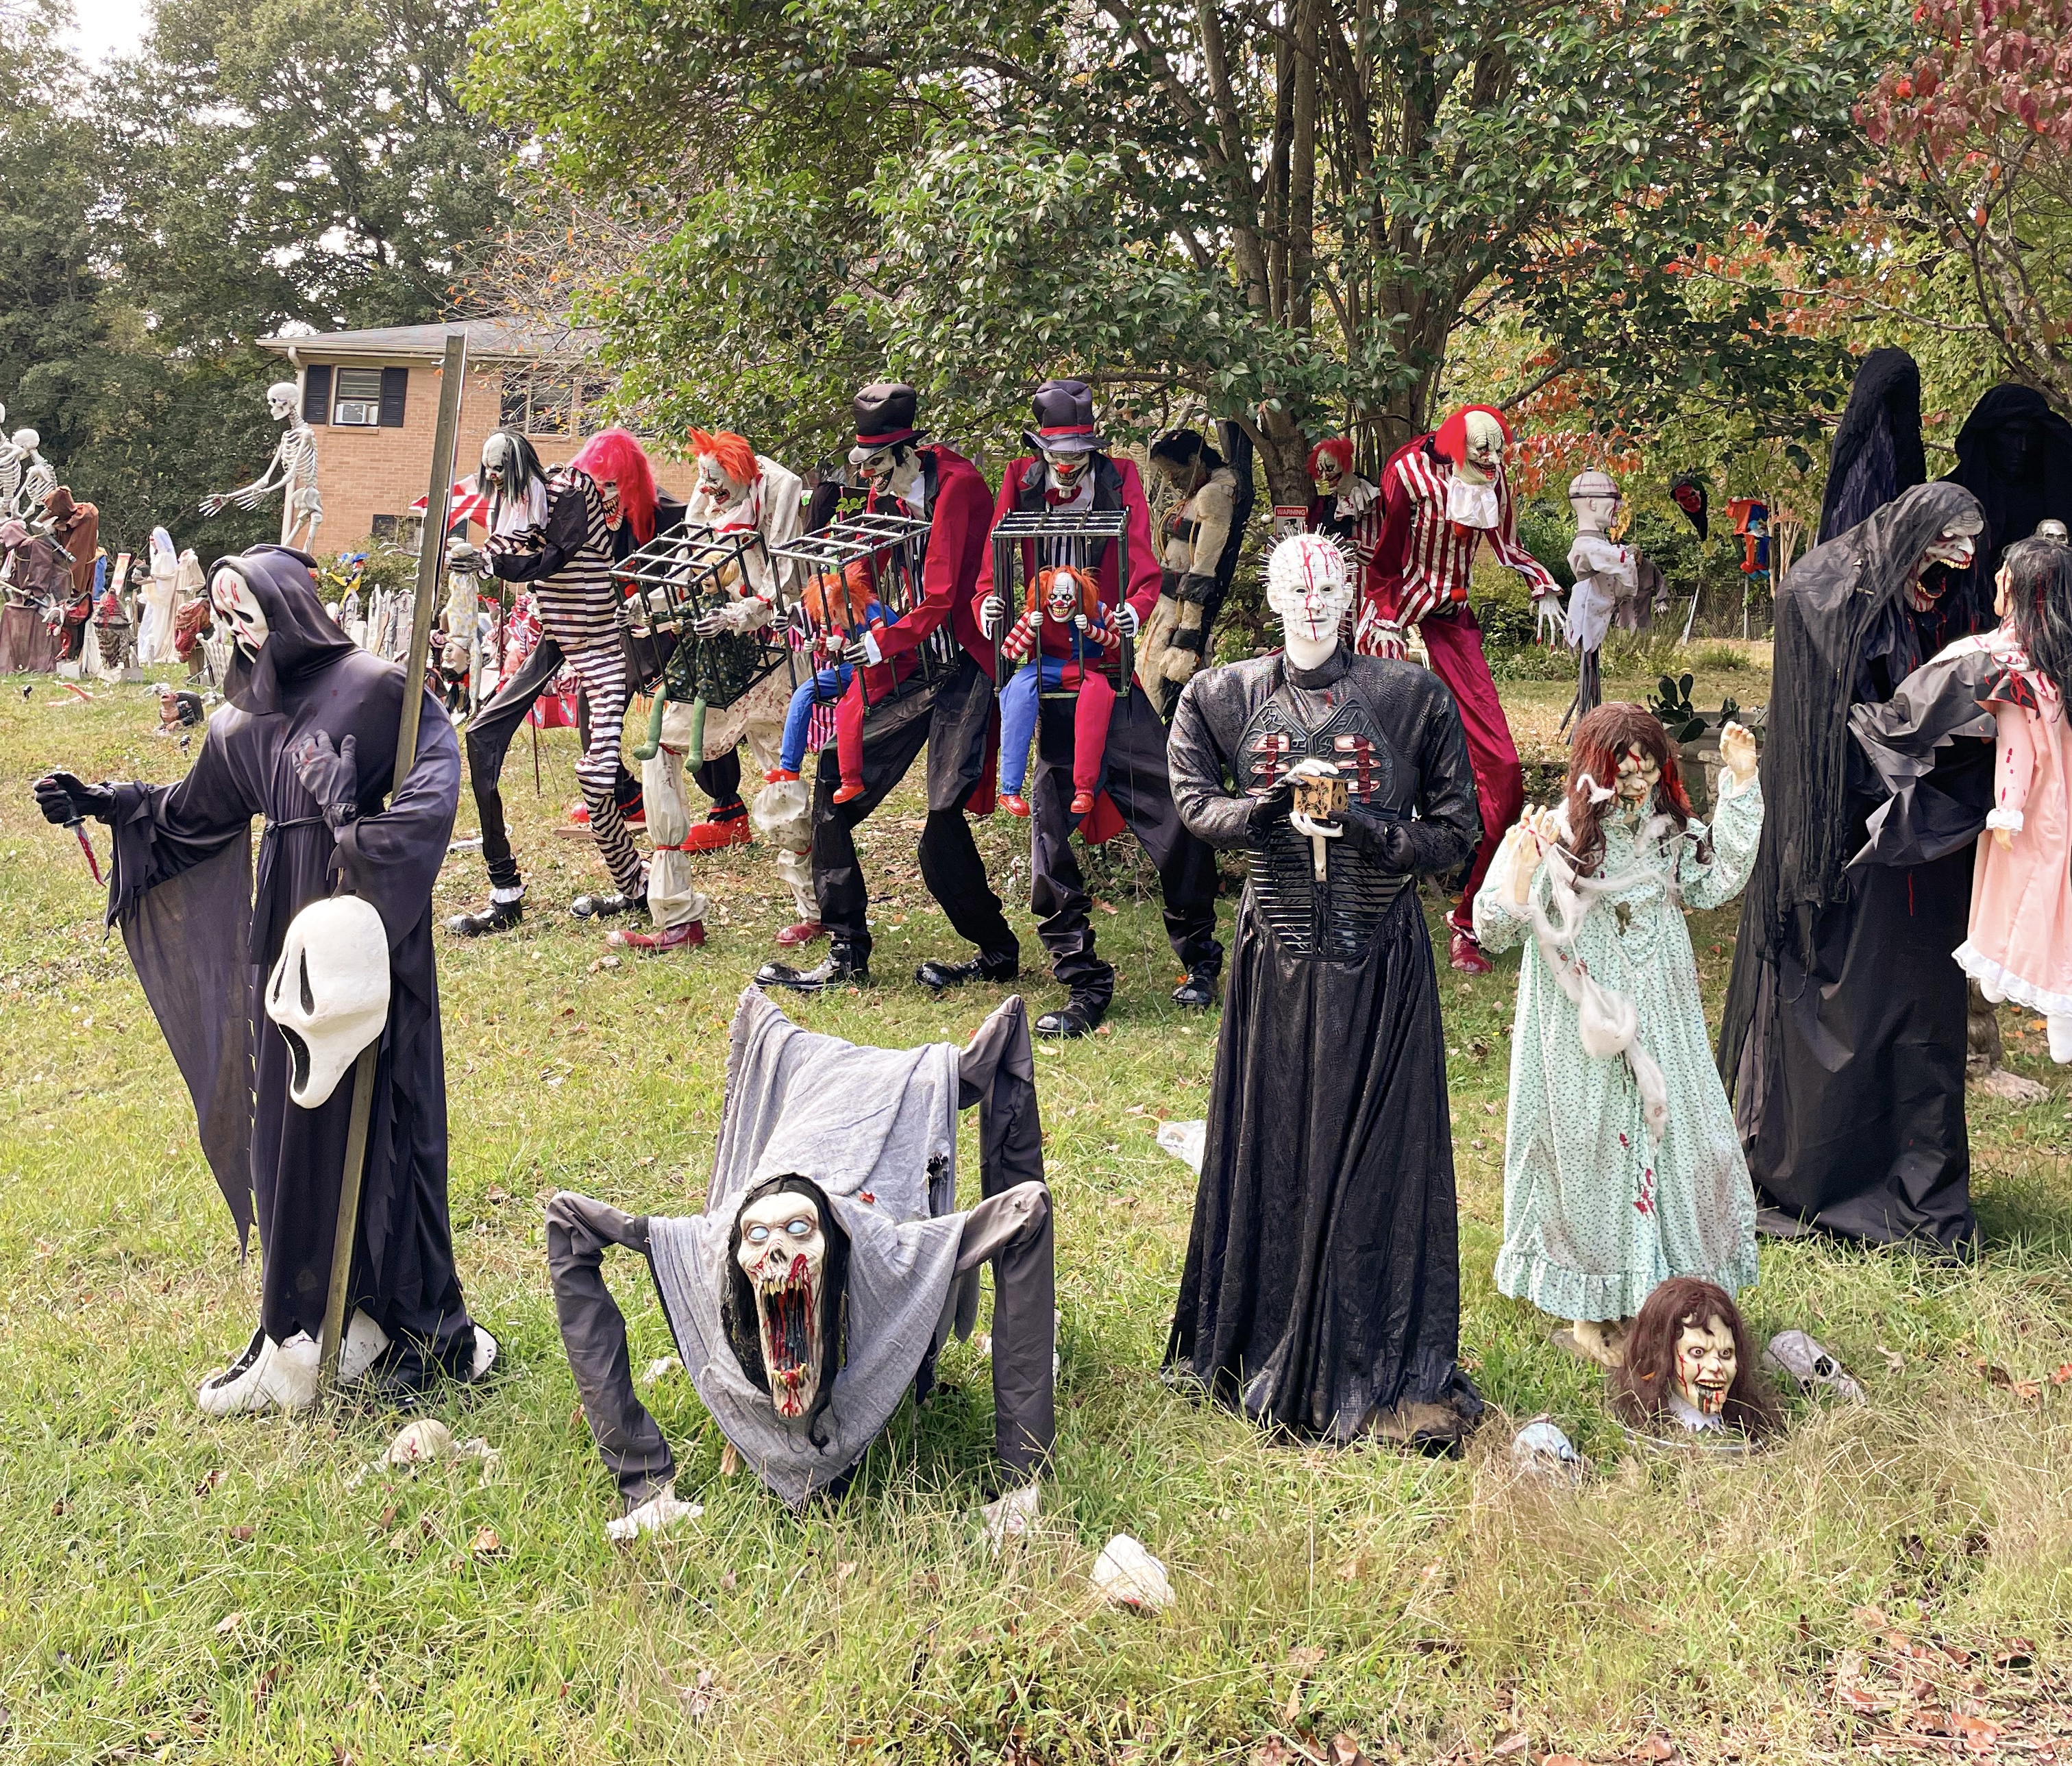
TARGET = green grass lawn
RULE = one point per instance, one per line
(176, 1588)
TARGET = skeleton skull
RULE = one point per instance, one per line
(1308, 584)
(1639, 772)
(27, 440)
(281, 400)
(329, 992)
(1706, 1363)
(239, 608)
(783, 1253)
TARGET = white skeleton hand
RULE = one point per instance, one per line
(991, 611)
(1550, 622)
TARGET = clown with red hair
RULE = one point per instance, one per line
(560, 531)
(1347, 507)
(1441, 495)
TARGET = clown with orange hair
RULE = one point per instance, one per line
(1441, 496)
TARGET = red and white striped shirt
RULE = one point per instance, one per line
(1423, 561)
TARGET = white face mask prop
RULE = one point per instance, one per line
(1471, 487)
(231, 597)
(1597, 502)
(1064, 473)
(894, 470)
(1639, 774)
(719, 490)
(1310, 586)
(329, 993)
(1706, 1363)
(783, 1253)
(1951, 550)
(281, 400)
(498, 457)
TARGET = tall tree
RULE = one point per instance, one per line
(1277, 209)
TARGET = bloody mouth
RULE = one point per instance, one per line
(790, 1324)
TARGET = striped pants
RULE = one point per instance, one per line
(601, 669)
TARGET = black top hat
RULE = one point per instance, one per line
(885, 414)
(1064, 419)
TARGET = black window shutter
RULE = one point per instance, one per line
(316, 395)
(395, 383)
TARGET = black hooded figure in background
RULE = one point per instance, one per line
(308, 742)
(1843, 1041)
(1877, 451)
(2014, 454)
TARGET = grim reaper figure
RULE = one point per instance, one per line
(831, 1261)
(308, 742)
(1842, 1044)
(1321, 1289)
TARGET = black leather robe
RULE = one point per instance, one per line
(1322, 1291)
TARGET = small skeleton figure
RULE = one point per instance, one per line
(292, 471)
(39, 477)
(1690, 1363)
(10, 468)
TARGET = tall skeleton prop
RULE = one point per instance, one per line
(38, 477)
(292, 471)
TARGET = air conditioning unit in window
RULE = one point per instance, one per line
(357, 414)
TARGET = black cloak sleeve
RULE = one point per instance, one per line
(1930, 746)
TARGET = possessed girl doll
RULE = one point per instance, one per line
(2019, 943)
(842, 609)
(1689, 1363)
(1068, 600)
(1622, 1166)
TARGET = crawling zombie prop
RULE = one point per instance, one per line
(831, 1261)
(308, 742)
(559, 532)
(292, 471)
(1069, 468)
(955, 719)
(1621, 1164)
(1441, 496)
(1321, 1290)
(1690, 1368)
(1842, 1043)
(1199, 542)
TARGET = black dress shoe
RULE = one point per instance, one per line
(987, 965)
(1198, 991)
(837, 969)
(604, 906)
(495, 917)
(1077, 1017)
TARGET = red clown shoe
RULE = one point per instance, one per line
(720, 829)
(687, 932)
(1467, 955)
(804, 933)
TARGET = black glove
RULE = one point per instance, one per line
(1381, 839)
(1270, 806)
(64, 799)
(330, 776)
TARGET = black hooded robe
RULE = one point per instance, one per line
(1321, 1290)
(2014, 454)
(1844, 1045)
(204, 943)
(1877, 452)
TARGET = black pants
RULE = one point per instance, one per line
(1138, 785)
(720, 779)
(488, 739)
(1024, 1260)
(955, 725)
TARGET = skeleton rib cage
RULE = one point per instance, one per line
(671, 582)
(892, 549)
(1026, 542)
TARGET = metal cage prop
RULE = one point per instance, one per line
(884, 554)
(666, 587)
(1026, 542)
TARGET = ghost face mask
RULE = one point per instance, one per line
(783, 1254)
(231, 598)
(329, 993)
(1706, 1364)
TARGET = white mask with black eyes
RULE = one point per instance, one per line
(234, 603)
(783, 1253)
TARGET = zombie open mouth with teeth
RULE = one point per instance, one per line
(786, 1308)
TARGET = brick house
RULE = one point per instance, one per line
(372, 398)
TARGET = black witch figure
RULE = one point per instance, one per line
(1877, 451)
(1843, 1041)
(2014, 454)
(308, 742)
(1321, 1292)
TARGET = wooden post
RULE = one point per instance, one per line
(431, 555)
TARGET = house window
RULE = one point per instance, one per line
(538, 401)
(383, 527)
(356, 397)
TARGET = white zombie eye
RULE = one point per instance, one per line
(799, 1228)
(758, 1234)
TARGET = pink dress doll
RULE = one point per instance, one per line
(2019, 945)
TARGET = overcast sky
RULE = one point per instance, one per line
(107, 27)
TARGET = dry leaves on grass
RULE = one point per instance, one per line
(699, 1697)
(486, 1543)
(1931, 1696)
